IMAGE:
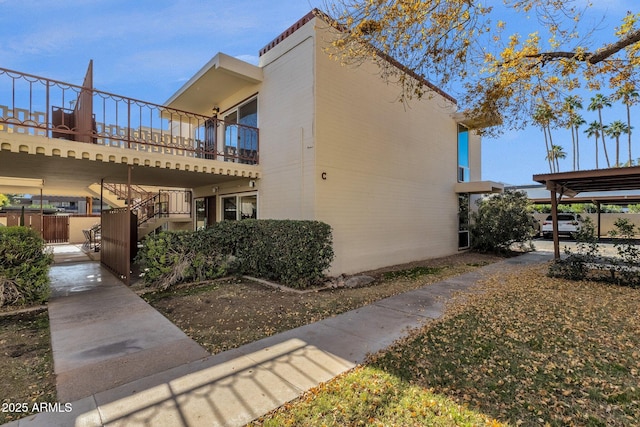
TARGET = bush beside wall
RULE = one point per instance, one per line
(294, 253)
(24, 267)
(172, 257)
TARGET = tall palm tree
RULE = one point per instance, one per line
(594, 130)
(571, 104)
(614, 130)
(598, 102)
(554, 155)
(576, 122)
(542, 116)
(629, 96)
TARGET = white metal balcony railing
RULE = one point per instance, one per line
(35, 105)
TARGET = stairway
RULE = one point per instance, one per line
(116, 195)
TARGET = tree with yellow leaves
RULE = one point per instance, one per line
(464, 47)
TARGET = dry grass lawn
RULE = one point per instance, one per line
(529, 351)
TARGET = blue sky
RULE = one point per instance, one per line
(147, 49)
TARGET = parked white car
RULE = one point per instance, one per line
(568, 225)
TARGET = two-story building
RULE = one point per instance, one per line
(298, 136)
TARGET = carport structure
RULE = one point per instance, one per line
(570, 184)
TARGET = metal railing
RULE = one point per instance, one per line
(163, 204)
(36, 105)
(121, 191)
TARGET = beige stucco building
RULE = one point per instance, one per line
(298, 136)
(337, 146)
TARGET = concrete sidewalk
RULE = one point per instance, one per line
(104, 335)
(236, 386)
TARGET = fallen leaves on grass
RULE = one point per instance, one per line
(533, 350)
(234, 312)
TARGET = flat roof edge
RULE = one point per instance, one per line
(226, 63)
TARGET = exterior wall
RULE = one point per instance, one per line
(390, 169)
(286, 110)
(79, 223)
(475, 156)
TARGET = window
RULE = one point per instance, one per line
(240, 142)
(463, 220)
(239, 207)
(463, 154)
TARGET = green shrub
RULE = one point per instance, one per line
(588, 263)
(24, 267)
(502, 220)
(627, 266)
(168, 258)
(294, 253)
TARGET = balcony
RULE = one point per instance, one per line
(38, 106)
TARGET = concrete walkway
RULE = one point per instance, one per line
(107, 335)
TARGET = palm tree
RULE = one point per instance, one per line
(542, 116)
(594, 130)
(571, 103)
(554, 154)
(576, 122)
(614, 130)
(598, 102)
(629, 96)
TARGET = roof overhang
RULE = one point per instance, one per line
(479, 187)
(477, 122)
(21, 185)
(219, 79)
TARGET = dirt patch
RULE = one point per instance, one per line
(27, 365)
(228, 313)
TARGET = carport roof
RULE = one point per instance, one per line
(598, 180)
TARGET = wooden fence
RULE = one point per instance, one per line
(52, 228)
(119, 236)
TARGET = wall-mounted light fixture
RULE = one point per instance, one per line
(252, 184)
(214, 190)
(216, 110)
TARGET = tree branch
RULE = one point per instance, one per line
(592, 57)
(611, 49)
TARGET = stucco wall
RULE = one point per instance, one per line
(286, 109)
(390, 169)
(79, 223)
(475, 147)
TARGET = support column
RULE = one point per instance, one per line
(128, 222)
(599, 219)
(554, 221)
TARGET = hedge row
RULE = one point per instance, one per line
(24, 267)
(173, 257)
(294, 253)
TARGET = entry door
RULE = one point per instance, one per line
(211, 210)
(205, 212)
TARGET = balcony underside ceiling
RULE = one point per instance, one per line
(71, 175)
(219, 79)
